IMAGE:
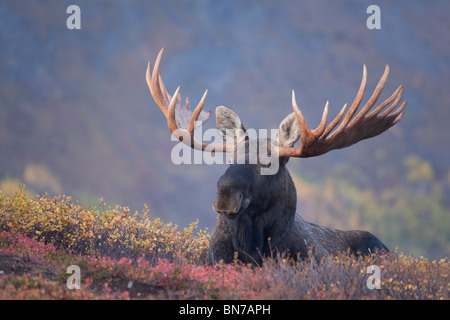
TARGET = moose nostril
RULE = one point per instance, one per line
(218, 210)
(221, 211)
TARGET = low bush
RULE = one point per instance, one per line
(123, 256)
(101, 231)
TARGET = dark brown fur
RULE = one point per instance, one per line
(257, 216)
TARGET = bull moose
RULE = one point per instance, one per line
(257, 212)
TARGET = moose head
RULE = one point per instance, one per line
(256, 210)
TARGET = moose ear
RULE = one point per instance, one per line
(289, 131)
(229, 125)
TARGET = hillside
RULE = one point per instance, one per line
(43, 241)
(76, 116)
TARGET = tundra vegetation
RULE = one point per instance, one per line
(124, 255)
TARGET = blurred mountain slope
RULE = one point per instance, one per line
(76, 101)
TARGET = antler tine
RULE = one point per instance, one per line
(323, 122)
(335, 121)
(396, 95)
(399, 113)
(171, 122)
(373, 99)
(301, 121)
(305, 131)
(167, 97)
(351, 112)
(303, 126)
(153, 82)
(197, 110)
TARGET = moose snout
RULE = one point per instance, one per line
(226, 210)
(222, 211)
(230, 206)
(227, 204)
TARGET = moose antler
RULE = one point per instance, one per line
(363, 126)
(180, 119)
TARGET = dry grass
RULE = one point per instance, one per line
(123, 256)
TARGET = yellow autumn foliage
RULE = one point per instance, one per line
(101, 231)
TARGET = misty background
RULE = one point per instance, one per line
(77, 118)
